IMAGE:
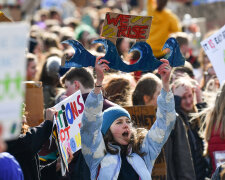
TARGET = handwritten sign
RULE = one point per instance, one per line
(126, 26)
(145, 116)
(68, 121)
(214, 47)
(13, 38)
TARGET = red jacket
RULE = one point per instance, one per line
(216, 143)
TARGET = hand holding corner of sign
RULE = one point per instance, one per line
(165, 70)
(70, 155)
(49, 113)
(69, 159)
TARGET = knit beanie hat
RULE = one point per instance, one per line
(110, 115)
(10, 168)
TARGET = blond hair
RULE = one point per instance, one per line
(215, 117)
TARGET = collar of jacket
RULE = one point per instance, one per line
(129, 148)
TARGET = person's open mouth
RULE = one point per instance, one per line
(125, 134)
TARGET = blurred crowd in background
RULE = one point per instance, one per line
(195, 85)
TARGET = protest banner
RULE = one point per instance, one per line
(13, 38)
(214, 47)
(145, 116)
(126, 26)
(34, 103)
(68, 121)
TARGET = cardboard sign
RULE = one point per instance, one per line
(4, 18)
(126, 26)
(13, 38)
(68, 121)
(34, 103)
(145, 116)
(214, 47)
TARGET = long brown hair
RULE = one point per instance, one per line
(137, 137)
(147, 85)
(118, 88)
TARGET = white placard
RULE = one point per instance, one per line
(219, 157)
(13, 43)
(68, 121)
(214, 47)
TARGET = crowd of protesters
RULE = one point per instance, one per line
(189, 127)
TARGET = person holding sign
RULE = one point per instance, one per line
(26, 147)
(111, 147)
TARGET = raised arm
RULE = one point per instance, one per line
(33, 140)
(165, 119)
(93, 146)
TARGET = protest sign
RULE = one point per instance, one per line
(34, 103)
(145, 116)
(126, 26)
(13, 38)
(3, 17)
(68, 121)
(214, 47)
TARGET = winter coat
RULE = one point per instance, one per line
(216, 143)
(195, 141)
(178, 154)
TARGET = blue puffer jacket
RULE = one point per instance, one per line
(93, 146)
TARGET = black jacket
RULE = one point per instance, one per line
(26, 147)
(195, 141)
(178, 154)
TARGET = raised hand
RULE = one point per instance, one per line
(198, 91)
(49, 114)
(101, 65)
(165, 70)
(180, 90)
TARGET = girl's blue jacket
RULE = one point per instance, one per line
(93, 146)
